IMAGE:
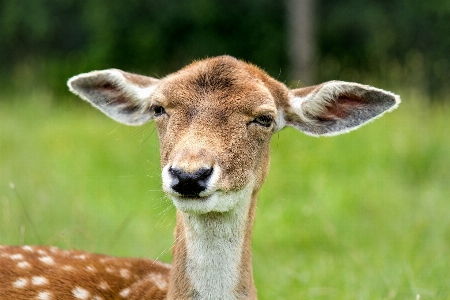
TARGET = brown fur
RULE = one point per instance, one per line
(62, 271)
(217, 119)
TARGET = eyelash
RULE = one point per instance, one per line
(264, 120)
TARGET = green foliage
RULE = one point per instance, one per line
(62, 38)
(359, 216)
(401, 42)
(397, 43)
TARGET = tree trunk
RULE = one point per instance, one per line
(301, 40)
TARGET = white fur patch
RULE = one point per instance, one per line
(16, 256)
(91, 268)
(159, 280)
(80, 293)
(41, 252)
(214, 246)
(24, 265)
(129, 88)
(27, 248)
(44, 296)
(125, 273)
(280, 121)
(39, 280)
(144, 92)
(54, 250)
(68, 268)
(20, 283)
(124, 293)
(47, 260)
(103, 285)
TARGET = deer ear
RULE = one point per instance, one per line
(336, 107)
(123, 96)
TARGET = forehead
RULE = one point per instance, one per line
(222, 83)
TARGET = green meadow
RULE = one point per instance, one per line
(364, 215)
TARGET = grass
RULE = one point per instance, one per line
(359, 216)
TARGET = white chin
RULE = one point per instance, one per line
(202, 205)
(216, 202)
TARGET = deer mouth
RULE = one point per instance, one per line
(192, 197)
(215, 201)
(195, 203)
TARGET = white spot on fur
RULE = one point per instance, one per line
(125, 273)
(81, 256)
(39, 280)
(41, 252)
(47, 260)
(91, 268)
(20, 283)
(80, 293)
(159, 280)
(125, 292)
(17, 256)
(97, 298)
(28, 248)
(54, 250)
(23, 265)
(103, 285)
(103, 260)
(67, 268)
(110, 270)
(44, 296)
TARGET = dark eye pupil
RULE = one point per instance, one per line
(159, 110)
(265, 121)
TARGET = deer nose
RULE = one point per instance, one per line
(190, 184)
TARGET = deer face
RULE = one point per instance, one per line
(215, 119)
(214, 123)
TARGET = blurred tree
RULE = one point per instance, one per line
(63, 37)
(401, 41)
(302, 43)
(391, 41)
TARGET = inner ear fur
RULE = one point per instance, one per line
(337, 107)
(120, 95)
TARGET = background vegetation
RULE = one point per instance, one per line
(360, 216)
(394, 42)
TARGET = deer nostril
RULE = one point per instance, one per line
(190, 184)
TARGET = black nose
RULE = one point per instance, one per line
(190, 184)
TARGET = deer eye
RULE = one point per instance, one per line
(158, 110)
(264, 120)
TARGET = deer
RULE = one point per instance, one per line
(214, 119)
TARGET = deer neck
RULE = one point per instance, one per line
(212, 253)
